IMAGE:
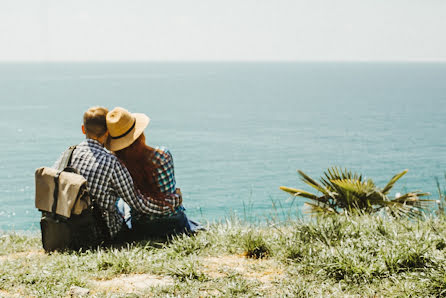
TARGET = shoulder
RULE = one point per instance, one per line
(163, 150)
(118, 167)
(92, 152)
(162, 154)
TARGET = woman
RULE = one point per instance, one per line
(152, 172)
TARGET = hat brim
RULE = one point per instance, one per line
(142, 121)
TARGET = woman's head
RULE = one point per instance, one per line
(124, 128)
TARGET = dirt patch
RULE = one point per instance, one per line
(132, 283)
(5, 294)
(25, 254)
(262, 270)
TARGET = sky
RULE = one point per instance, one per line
(222, 30)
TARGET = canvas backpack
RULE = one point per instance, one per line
(69, 217)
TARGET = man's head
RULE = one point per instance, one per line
(95, 126)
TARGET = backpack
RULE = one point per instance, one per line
(69, 219)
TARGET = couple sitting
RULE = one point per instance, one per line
(134, 173)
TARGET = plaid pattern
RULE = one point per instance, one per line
(166, 175)
(166, 180)
(107, 181)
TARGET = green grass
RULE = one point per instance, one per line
(332, 256)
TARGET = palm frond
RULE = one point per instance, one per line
(392, 181)
(413, 199)
(355, 186)
(298, 192)
(336, 173)
(360, 194)
(308, 180)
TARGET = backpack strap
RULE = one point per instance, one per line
(66, 158)
(64, 163)
(55, 194)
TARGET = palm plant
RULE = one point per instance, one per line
(344, 191)
(441, 198)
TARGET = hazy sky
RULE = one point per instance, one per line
(83, 30)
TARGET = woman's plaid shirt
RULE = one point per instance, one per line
(165, 178)
(166, 174)
(107, 181)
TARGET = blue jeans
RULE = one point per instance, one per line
(124, 211)
(143, 226)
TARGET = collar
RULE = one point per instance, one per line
(94, 143)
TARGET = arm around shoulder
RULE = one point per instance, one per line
(125, 189)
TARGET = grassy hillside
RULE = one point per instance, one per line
(336, 256)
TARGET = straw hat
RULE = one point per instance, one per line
(124, 128)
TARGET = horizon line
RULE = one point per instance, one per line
(228, 61)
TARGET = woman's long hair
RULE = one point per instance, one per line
(137, 158)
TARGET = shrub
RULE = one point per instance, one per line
(345, 191)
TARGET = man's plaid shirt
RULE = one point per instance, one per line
(107, 181)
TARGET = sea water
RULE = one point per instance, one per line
(237, 131)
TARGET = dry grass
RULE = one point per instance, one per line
(131, 283)
(339, 256)
(263, 270)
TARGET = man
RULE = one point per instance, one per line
(107, 179)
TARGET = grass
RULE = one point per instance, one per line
(331, 256)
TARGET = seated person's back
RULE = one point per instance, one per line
(107, 179)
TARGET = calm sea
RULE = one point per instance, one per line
(237, 131)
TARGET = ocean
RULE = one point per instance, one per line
(237, 131)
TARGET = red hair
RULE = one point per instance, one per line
(137, 158)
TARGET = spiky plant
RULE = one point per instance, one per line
(441, 202)
(345, 191)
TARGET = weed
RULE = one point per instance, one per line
(255, 246)
(187, 271)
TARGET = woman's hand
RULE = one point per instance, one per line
(178, 192)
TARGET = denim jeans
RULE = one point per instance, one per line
(142, 226)
(145, 227)
(124, 211)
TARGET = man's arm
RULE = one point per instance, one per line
(175, 199)
(123, 185)
(172, 201)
